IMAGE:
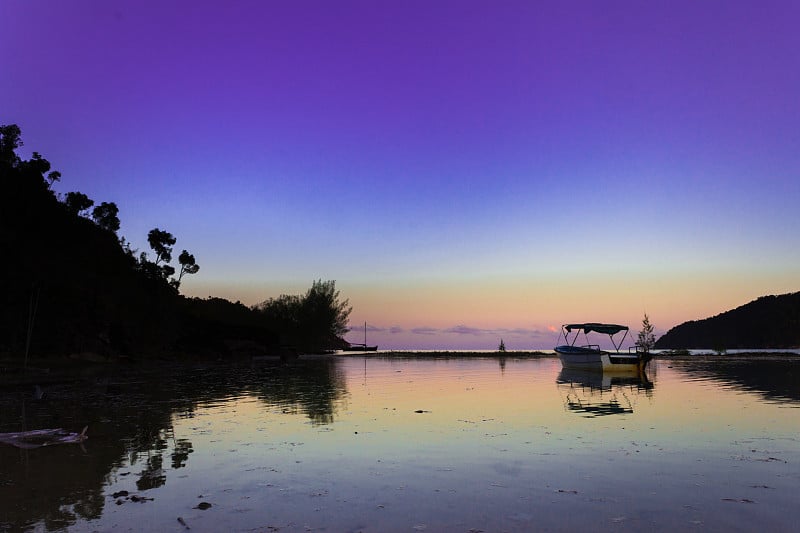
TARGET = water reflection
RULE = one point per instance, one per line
(313, 387)
(455, 444)
(131, 419)
(53, 485)
(776, 378)
(594, 393)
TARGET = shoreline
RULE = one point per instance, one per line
(421, 354)
(55, 366)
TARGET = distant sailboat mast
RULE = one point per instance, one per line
(363, 347)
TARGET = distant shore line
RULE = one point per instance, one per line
(13, 366)
(520, 354)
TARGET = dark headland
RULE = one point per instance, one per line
(73, 289)
(767, 323)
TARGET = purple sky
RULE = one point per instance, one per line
(464, 170)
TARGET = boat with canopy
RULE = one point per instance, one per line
(591, 356)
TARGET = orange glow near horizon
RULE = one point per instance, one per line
(532, 304)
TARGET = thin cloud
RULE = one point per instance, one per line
(370, 327)
(526, 332)
(461, 329)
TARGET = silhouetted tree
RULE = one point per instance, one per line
(77, 202)
(167, 270)
(9, 142)
(53, 177)
(282, 315)
(646, 340)
(150, 269)
(80, 272)
(325, 316)
(188, 265)
(314, 321)
(105, 216)
(37, 164)
(96, 294)
(161, 242)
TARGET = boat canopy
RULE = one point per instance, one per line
(608, 329)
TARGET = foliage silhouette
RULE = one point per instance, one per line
(77, 202)
(10, 140)
(315, 321)
(95, 295)
(53, 177)
(161, 242)
(646, 339)
(188, 265)
(105, 216)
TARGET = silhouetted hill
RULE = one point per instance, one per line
(69, 285)
(72, 286)
(768, 322)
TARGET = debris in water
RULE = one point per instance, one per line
(42, 437)
(203, 506)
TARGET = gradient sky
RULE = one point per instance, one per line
(464, 170)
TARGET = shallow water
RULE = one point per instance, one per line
(374, 444)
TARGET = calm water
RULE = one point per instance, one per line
(355, 444)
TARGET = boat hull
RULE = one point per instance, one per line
(591, 359)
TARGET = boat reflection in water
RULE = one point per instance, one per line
(594, 393)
